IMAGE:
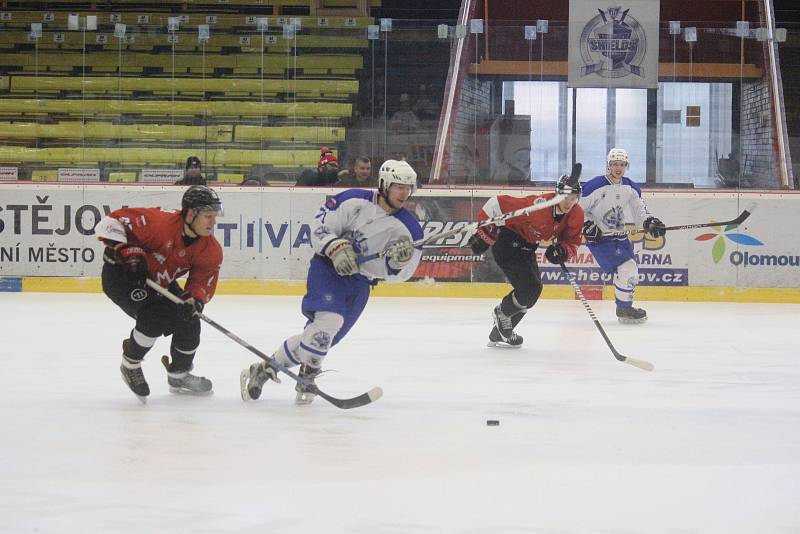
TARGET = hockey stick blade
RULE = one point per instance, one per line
(577, 168)
(737, 221)
(356, 402)
(733, 222)
(641, 364)
(345, 404)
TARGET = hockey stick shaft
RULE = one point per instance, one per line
(738, 220)
(641, 364)
(575, 174)
(471, 227)
(355, 402)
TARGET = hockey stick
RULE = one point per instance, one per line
(473, 226)
(641, 364)
(345, 404)
(738, 220)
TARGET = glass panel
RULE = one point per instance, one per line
(266, 91)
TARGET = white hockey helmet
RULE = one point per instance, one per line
(617, 154)
(396, 172)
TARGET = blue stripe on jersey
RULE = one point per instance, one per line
(594, 184)
(335, 201)
(601, 181)
(633, 185)
(410, 222)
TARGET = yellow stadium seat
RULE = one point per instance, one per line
(110, 62)
(159, 156)
(230, 178)
(122, 177)
(229, 86)
(165, 108)
(47, 175)
(100, 130)
(289, 134)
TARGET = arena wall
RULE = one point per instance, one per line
(47, 243)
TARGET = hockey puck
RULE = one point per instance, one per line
(492, 422)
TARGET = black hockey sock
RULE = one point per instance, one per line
(509, 307)
(180, 360)
(515, 319)
(132, 350)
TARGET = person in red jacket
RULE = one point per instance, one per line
(162, 245)
(514, 245)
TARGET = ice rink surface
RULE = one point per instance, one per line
(707, 443)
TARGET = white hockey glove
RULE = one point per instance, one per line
(344, 259)
(400, 253)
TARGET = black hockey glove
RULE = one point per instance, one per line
(482, 239)
(191, 308)
(591, 232)
(654, 227)
(556, 253)
(132, 259)
(478, 245)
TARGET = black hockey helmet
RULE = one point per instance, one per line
(201, 198)
(567, 185)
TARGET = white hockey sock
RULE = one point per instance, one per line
(286, 355)
(318, 337)
(625, 279)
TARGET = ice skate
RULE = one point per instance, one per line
(253, 378)
(305, 394)
(497, 340)
(134, 378)
(503, 335)
(185, 382)
(631, 315)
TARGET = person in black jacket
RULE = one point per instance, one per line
(327, 173)
(192, 175)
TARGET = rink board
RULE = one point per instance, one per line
(47, 243)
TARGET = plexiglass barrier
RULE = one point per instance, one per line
(129, 96)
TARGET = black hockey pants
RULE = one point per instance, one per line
(155, 316)
(517, 259)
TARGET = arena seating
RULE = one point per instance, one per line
(222, 87)
(245, 98)
(214, 133)
(23, 108)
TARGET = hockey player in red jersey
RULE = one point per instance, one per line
(514, 245)
(162, 245)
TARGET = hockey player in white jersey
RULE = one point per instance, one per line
(608, 203)
(355, 223)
